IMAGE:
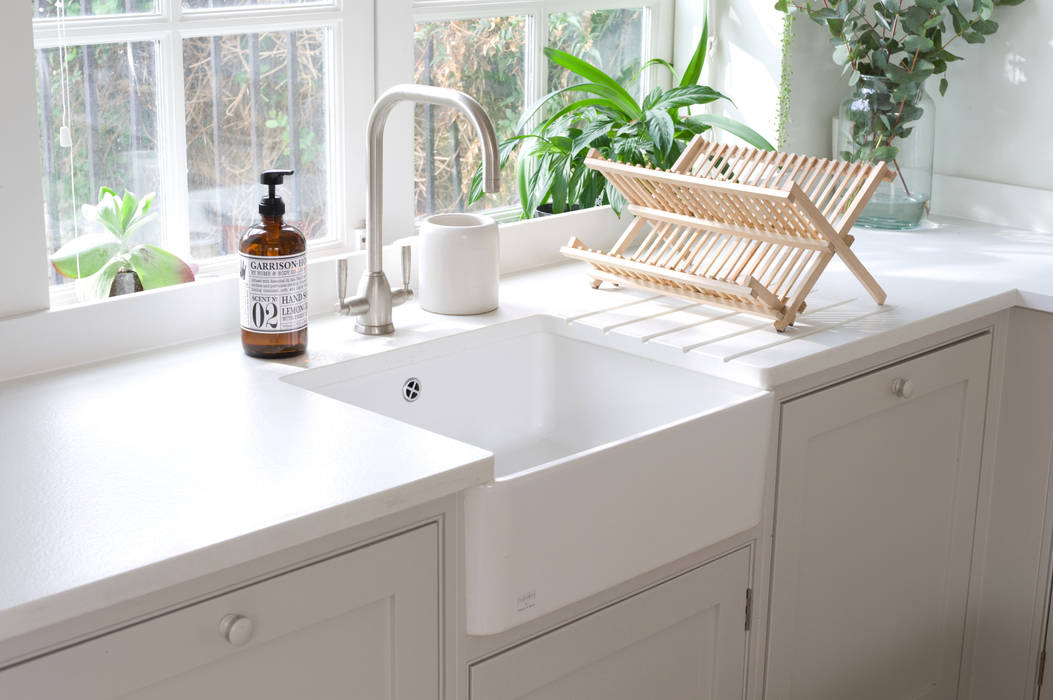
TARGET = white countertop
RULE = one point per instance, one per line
(128, 476)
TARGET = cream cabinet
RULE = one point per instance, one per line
(875, 514)
(683, 639)
(364, 624)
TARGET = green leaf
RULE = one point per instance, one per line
(652, 97)
(102, 280)
(734, 127)
(572, 107)
(698, 58)
(943, 86)
(885, 153)
(93, 249)
(521, 182)
(691, 95)
(916, 43)
(615, 92)
(592, 88)
(159, 268)
(841, 56)
(146, 202)
(128, 208)
(660, 129)
(984, 8)
(655, 62)
(106, 212)
(986, 27)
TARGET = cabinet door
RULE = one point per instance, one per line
(684, 639)
(363, 625)
(874, 524)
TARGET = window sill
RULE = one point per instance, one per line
(100, 330)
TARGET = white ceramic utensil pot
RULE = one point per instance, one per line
(459, 264)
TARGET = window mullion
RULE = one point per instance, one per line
(536, 69)
(172, 146)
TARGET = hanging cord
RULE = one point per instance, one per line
(65, 131)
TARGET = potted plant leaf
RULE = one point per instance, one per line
(602, 114)
(889, 49)
(113, 262)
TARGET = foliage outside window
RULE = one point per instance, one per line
(497, 60)
(111, 115)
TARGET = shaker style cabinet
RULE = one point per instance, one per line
(875, 513)
(360, 625)
(684, 638)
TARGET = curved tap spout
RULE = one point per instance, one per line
(374, 289)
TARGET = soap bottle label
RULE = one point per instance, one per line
(273, 292)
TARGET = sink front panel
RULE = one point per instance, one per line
(547, 538)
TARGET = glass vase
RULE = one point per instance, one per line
(885, 121)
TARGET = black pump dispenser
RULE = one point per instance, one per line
(272, 205)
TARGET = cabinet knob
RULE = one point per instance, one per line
(236, 629)
(903, 388)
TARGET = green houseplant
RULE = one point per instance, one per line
(888, 50)
(602, 114)
(114, 263)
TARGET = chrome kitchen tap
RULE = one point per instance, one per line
(375, 299)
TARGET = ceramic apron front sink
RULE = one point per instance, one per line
(607, 464)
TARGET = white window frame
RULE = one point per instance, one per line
(657, 39)
(378, 36)
(349, 26)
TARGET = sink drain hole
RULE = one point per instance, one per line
(411, 389)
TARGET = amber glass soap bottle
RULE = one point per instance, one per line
(272, 282)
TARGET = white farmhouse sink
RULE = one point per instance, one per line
(607, 464)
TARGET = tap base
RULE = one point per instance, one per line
(385, 329)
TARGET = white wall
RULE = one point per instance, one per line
(745, 57)
(996, 122)
(816, 89)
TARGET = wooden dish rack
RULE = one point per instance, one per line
(735, 226)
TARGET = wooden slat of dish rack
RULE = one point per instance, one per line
(735, 227)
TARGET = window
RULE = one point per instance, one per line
(191, 99)
(493, 51)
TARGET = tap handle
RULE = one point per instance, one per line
(341, 281)
(406, 266)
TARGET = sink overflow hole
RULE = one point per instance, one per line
(411, 389)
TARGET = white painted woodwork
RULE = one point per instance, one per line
(684, 639)
(364, 624)
(1013, 586)
(24, 283)
(874, 528)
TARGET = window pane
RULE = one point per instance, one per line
(49, 8)
(485, 58)
(610, 39)
(220, 4)
(112, 108)
(254, 102)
